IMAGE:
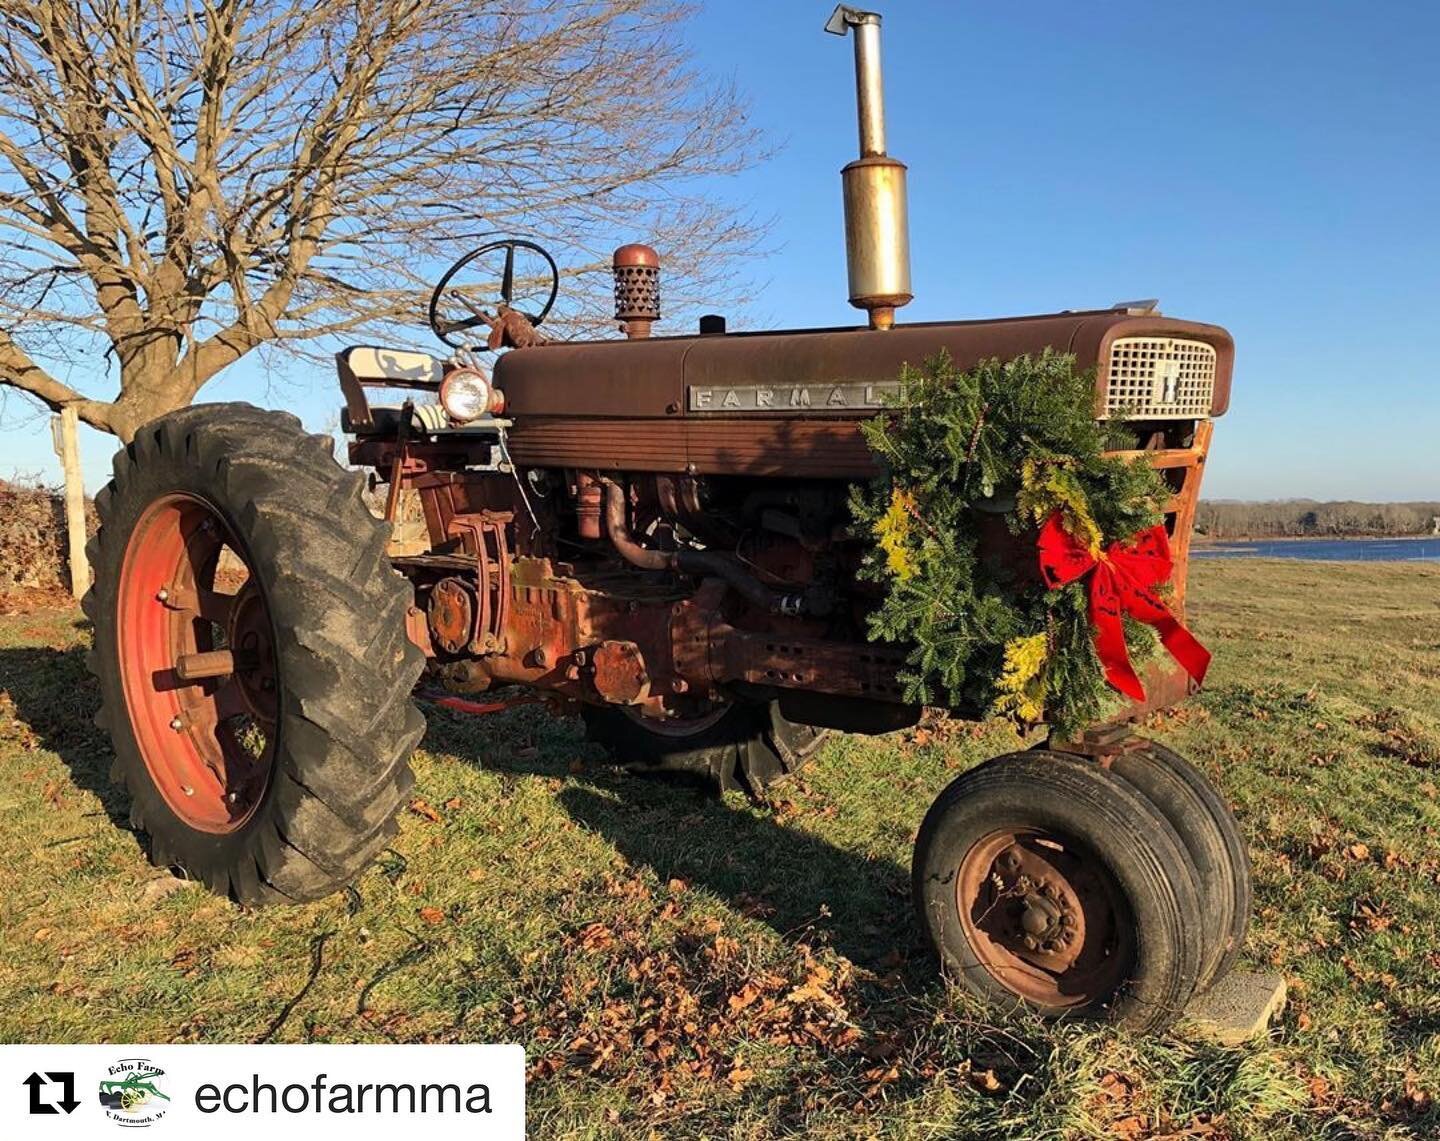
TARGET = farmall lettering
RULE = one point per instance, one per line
(842, 396)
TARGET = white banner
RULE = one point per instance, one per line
(275, 1092)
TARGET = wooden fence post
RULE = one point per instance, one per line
(65, 428)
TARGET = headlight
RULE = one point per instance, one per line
(466, 395)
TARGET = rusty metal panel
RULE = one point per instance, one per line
(765, 447)
(648, 379)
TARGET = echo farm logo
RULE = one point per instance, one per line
(132, 1093)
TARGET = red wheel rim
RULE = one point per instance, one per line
(1045, 917)
(197, 663)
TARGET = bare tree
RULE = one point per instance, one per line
(185, 181)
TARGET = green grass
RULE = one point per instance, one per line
(681, 966)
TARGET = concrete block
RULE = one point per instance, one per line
(1237, 1009)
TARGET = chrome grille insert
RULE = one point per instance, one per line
(1160, 378)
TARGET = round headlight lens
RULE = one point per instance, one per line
(465, 395)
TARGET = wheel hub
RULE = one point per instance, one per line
(254, 660)
(1040, 913)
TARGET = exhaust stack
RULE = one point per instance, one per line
(877, 231)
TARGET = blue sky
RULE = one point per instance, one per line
(1270, 167)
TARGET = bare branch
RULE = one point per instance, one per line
(196, 179)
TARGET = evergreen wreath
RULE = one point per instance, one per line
(1015, 441)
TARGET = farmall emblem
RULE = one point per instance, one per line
(842, 396)
(1167, 382)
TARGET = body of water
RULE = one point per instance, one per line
(1345, 550)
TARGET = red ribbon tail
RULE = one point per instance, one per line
(1185, 648)
(1110, 635)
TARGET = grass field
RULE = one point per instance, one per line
(680, 966)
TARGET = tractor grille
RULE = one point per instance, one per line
(1160, 378)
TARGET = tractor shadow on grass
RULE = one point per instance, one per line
(56, 697)
(803, 886)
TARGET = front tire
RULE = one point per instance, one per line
(1213, 840)
(250, 647)
(1045, 882)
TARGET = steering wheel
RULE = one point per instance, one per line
(446, 329)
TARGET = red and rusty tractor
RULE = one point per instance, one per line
(654, 530)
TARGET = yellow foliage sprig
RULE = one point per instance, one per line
(1021, 685)
(1048, 486)
(893, 531)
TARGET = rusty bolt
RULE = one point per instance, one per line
(541, 658)
(581, 657)
(679, 685)
(572, 673)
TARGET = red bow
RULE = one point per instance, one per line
(1124, 582)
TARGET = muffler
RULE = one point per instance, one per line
(877, 229)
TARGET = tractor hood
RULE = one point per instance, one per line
(729, 373)
(789, 401)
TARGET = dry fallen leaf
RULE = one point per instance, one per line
(743, 997)
(432, 915)
(596, 937)
(422, 809)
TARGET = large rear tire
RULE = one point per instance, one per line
(250, 646)
(744, 745)
(1044, 881)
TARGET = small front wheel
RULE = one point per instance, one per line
(1045, 882)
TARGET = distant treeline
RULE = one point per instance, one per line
(1225, 519)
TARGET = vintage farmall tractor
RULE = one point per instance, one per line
(654, 530)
